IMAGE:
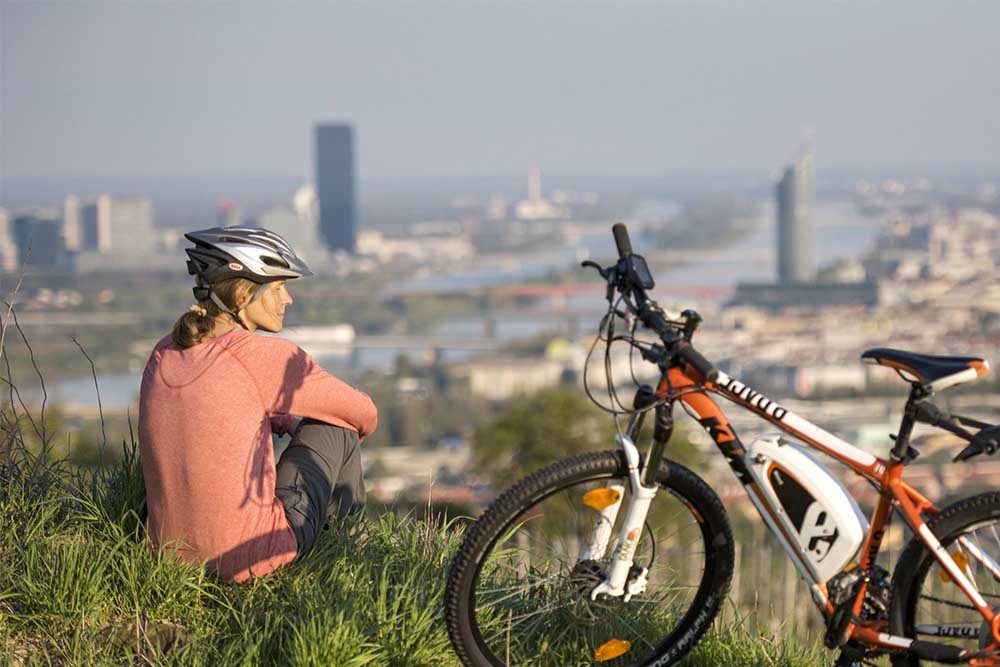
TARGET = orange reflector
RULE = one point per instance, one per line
(601, 498)
(961, 560)
(611, 649)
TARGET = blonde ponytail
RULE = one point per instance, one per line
(193, 326)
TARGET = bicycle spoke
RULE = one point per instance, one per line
(667, 537)
(636, 633)
(516, 620)
(950, 603)
(529, 629)
(518, 591)
(982, 557)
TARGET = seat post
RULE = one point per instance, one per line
(902, 445)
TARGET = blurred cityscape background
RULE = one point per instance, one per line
(814, 180)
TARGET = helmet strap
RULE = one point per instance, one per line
(257, 293)
(234, 314)
(204, 291)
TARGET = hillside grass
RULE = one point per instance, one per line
(80, 586)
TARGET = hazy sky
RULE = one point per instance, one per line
(446, 88)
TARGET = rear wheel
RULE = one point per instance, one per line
(517, 593)
(926, 603)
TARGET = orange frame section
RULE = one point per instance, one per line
(688, 386)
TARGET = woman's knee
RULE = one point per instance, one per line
(309, 427)
(326, 438)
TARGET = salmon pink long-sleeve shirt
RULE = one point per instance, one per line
(206, 414)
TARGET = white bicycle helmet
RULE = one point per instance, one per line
(253, 253)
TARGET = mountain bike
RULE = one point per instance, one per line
(624, 558)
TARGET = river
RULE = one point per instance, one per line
(841, 233)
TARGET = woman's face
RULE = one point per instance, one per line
(267, 311)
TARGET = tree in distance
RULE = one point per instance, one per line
(538, 429)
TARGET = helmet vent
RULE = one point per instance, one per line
(274, 261)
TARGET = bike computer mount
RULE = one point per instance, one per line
(638, 271)
(631, 271)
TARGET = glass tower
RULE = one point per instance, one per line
(335, 186)
(794, 196)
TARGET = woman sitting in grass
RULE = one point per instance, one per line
(212, 394)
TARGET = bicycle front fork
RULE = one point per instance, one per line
(623, 578)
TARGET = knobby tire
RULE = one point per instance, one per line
(506, 509)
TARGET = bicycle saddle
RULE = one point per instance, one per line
(934, 373)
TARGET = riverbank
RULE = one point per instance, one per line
(743, 253)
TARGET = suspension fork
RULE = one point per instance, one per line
(663, 428)
(642, 482)
(608, 500)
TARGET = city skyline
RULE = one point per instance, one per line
(620, 89)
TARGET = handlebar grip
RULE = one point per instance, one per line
(700, 363)
(622, 240)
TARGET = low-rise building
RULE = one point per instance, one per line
(500, 379)
(776, 296)
(427, 249)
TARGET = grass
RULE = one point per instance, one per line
(79, 585)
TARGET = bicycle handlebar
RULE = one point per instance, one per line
(622, 240)
(688, 353)
(652, 317)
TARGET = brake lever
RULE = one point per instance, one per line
(654, 354)
(590, 263)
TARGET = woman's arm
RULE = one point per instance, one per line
(291, 383)
(282, 424)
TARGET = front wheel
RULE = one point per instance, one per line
(518, 593)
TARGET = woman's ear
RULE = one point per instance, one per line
(242, 300)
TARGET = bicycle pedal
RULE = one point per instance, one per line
(846, 661)
(852, 655)
(836, 632)
(844, 589)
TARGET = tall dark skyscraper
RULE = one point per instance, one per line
(797, 285)
(794, 195)
(335, 186)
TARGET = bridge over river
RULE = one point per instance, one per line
(394, 342)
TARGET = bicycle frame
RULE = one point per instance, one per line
(886, 474)
(687, 386)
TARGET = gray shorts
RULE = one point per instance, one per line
(319, 476)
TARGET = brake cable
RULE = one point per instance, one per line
(631, 353)
(586, 364)
(620, 410)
